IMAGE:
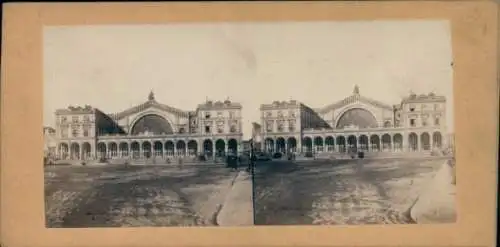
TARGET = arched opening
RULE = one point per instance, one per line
(318, 144)
(437, 140)
(151, 124)
(307, 144)
(232, 146)
(375, 143)
(192, 147)
(158, 147)
(398, 142)
(101, 149)
(413, 141)
(208, 148)
(63, 151)
(269, 145)
(169, 148)
(363, 142)
(75, 151)
(220, 147)
(357, 117)
(280, 145)
(341, 142)
(352, 143)
(123, 149)
(386, 142)
(86, 150)
(136, 150)
(292, 144)
(181, 148)
(330, 143)
(146, 149)
(113, 149)
(425, 139)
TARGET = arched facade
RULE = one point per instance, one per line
(357, 123)
(150, 130)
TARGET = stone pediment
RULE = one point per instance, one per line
(353, 99)
(148, 105)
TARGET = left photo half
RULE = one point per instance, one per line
(141, 128)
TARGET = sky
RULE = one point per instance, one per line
(318, 63)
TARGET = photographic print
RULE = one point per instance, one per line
(248, 123)
(144, 128)
(359, 130)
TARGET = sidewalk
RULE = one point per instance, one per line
(237, 209)
(437, 203)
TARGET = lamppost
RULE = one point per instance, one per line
(251, 164)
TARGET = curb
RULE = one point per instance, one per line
(242, 176)
(218, 207)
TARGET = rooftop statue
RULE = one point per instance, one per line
(151, 96)
(356, 90)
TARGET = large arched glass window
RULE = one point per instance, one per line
(357, 117)
(152, 124)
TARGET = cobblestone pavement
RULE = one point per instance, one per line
(339, 192)
(118, 196)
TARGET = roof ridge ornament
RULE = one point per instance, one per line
(151, 96)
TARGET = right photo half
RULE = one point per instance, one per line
(362, 130)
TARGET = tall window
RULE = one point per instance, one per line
(269, 126)
(182, 130)
(75, 132)
(64, 119)
(232, 129)
(231, 114)
(207, 129)
(74, 119)
(291, 125)
(220, 126)
(413, 122)
(425, 119)
(436, 121)
(280, 126)
(64, 132)
(86, 130)
(86, 119)
(207, 114)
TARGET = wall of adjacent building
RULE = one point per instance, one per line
(220, 120)
(424, 113)
(75, 125)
